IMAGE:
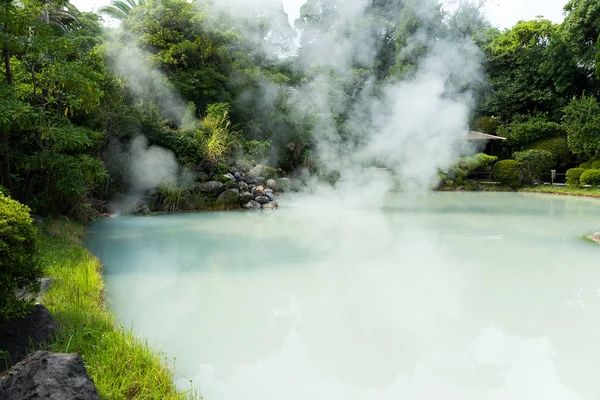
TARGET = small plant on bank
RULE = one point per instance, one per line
(595, 164)
(508, 173)
(573, 176)
(590, 177)
(586, 165)
(19, 263)
(534, 163)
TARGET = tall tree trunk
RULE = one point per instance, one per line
(9, 75)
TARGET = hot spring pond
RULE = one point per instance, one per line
(447, 296)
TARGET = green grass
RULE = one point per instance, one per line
(122, 366)
(564, 190)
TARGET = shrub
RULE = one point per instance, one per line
(458, 172)
(269, 172)
(590, 177)
(595, 165)
(525, 130)
(487, 125)
(535, 162)
(585, 165)
(18, 257)
(573, 176)
(558, 147)
(508, 173)
(258, 150)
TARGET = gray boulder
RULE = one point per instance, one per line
(44, 375)
(18, 335)
(262, 199)
(271, 184)
(245, 197)
(252, 205)
(269, 193)
(243, 186)
(255, 181)
(232, 185)
(229, 176)
(237, 176)
(230, 197)
(141, 209)
(213, 188)
(270, 205)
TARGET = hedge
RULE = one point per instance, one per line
(590, 177)
(508, 173)
(573, 176)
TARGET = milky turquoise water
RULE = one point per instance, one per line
(443, 296)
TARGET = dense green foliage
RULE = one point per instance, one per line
(508, 172)
(212, 87)
(559, 149)
(534, 163)
(573, 176)
(457, 174)
(18, 257)
(590, 177)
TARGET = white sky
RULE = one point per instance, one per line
(502, 13)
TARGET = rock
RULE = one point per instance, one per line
(596, 237)
(255, 181)
(245, 197)
(35, 328)
(256, 171)
(214, 188)
(269, 193)
(243, 186)
(37, 220)
(44, 375)
(229, 176)
(141, 209)
(232, 185)
(271, 184)
(252, 205)
(229, 198)
(270, 205)
(260, 189)
(208, 166)
(237, 176)
(284, 185)
(460, 189)
(262, 199)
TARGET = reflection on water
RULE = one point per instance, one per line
(455, 296)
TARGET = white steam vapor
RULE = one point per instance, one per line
(147, 83)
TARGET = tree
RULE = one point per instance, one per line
(532, 71)
(582, 122)
(582, 28)
(121, 9)
(535, 162)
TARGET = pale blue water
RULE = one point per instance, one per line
(444, 296)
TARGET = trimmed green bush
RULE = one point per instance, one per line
(573, 176)
(508, 173)
(19, 262)
(534, 163)
(586, 165)
(595, 164)
(559, 148)
(590, 177)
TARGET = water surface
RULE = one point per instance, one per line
(446, 296)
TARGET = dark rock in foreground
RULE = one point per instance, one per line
(245, 197)
(229, 198)
(17, 335)
(252, 205)
(213, 187)
(44, 375)
(262, 199)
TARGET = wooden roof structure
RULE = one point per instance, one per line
(472, 135)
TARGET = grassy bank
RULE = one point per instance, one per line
(563, 190)
(121, 366)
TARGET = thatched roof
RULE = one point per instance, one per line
(472, 135)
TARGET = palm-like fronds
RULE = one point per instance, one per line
(121, 9)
